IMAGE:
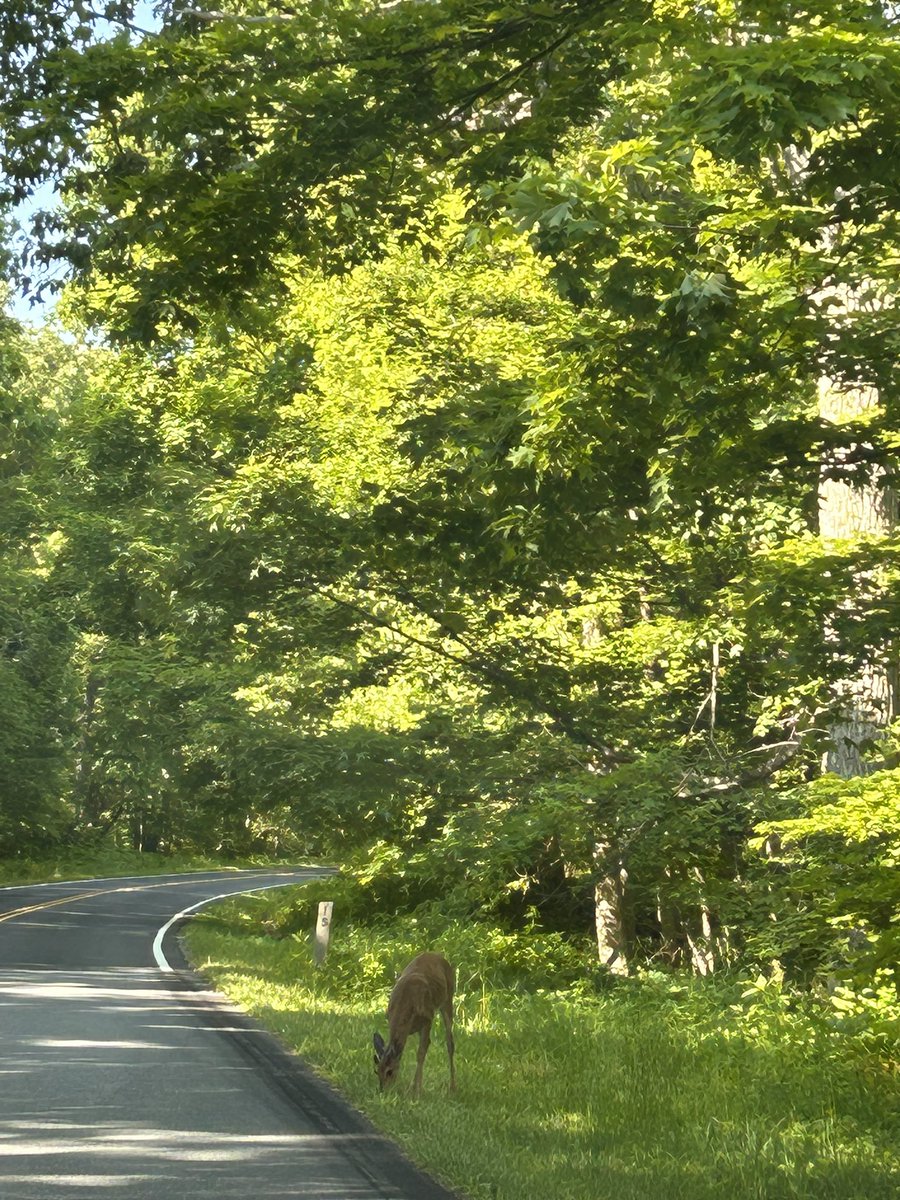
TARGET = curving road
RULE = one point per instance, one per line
(122, 1080)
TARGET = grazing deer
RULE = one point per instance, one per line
(424, 988)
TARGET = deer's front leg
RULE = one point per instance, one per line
(424, 1042)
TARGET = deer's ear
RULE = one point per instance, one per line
(380, 1047)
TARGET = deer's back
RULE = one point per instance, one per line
(425, 985)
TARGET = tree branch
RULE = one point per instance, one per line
(479, 665)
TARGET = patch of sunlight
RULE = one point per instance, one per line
(82, 1181)
(170, 1145)
(87, 1044)
(569, 1122)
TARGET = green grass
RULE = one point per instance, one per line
(109, 861)
(654, 1091)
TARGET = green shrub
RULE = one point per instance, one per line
(831, 879)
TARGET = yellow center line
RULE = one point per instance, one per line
(20, 912)
(142, 887)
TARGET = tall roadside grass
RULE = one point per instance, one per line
(653, 1090)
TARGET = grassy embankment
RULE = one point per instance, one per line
(660, 1090)
(110, 861)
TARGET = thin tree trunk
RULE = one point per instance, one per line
(672, 944)
(611, 922)
(88, 807)
(694, 939)
(701, 942)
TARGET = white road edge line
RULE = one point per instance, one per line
(161, 961)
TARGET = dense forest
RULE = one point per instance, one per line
(466, 451)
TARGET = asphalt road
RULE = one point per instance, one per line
(120, 1080)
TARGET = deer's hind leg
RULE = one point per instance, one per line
(447, 1017)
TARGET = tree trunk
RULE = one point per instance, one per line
(847, 509)
(611, 918)
(88, 807)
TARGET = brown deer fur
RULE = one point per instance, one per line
(423, 988)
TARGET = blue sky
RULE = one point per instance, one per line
(22, 309)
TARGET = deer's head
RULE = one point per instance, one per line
(387, 1061)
